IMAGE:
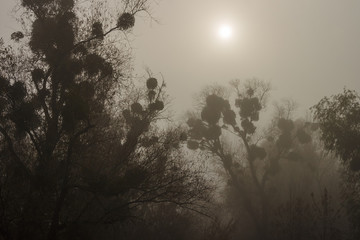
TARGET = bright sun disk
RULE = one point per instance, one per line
(225, 31)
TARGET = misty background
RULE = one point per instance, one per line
(90, 147)
(306, 49)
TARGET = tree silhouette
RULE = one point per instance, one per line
(338, 117)
(255, 162)
(205, 134)
(70, 163)
(339, 120)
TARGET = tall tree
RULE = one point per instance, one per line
(70, 163)
(339, 119)
(205, 133)
(251, 160)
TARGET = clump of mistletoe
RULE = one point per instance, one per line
(217, 114)
(262, 156)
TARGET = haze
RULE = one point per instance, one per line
(306, 49)
(92, 148)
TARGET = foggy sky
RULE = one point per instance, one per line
(307, 49)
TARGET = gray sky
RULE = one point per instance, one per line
(307, 49)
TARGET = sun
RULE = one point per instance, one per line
(225, 31)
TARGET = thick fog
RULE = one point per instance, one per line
(306, 49)
(164, 119)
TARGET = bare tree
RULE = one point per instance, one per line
(70, 164)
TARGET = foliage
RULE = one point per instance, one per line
(339, 120)
(338, 117)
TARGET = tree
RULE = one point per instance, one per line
(339, 119)
(259, 168)
(70, 164)
(205, 133)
